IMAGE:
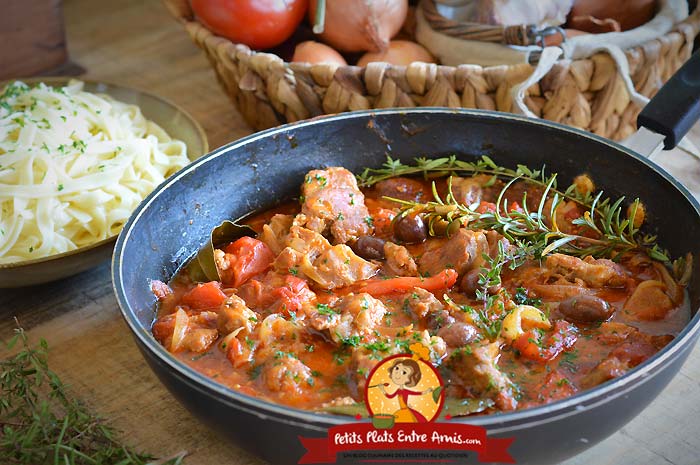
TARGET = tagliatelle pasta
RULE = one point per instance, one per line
(73, 166)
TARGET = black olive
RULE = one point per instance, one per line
(438, 319)
(458, 334)
(369, 247)
(410, 229)
(470, 283)
(400, 188)
(585, 308)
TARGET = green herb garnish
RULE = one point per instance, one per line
(324, 309)
(615, 231)
(522, 297)
(42, 424)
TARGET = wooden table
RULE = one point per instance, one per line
(137, 43)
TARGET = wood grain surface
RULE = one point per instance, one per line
(32, 38)
(136, 43)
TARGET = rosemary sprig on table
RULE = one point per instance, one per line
(41, 424)
(615, 231)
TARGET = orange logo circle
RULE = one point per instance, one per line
(403, 388)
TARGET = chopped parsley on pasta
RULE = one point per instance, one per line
(73, 166)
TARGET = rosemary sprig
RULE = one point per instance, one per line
(41, 424)
(615, 232)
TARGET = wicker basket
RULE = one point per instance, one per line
(588, 94)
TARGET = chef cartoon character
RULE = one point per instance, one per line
(406, 373)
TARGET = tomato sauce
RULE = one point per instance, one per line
(292, 335)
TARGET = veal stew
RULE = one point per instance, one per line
(522, 296)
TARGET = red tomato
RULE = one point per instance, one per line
(536, 346)
(163, 329)
(382, 221)
(555, 386)
(237, 353)
(248, 257)
(256, 23)
(207, 295)
(486, 207)
(292, 295)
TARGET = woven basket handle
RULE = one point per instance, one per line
(521, 34)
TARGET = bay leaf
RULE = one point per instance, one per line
(203, 267)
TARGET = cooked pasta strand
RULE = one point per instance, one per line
(73, 165)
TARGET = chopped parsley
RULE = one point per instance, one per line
(568, 361)
(282, 354)
(321, 180)
(324, 309)
(79, 145)
(402, 345)
(339, 357)
(377, 346)
(365, 304)
(522, 297)
(353, 341)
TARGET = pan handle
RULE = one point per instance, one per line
(676, 107)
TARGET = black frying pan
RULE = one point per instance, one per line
(268, 167)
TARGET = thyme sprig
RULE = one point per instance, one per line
(614, 231)
(490, 270)
(41, 424)
(431, 168)
(490, 316)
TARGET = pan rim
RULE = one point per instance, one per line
(502, 422)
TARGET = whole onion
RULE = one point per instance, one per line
(360, 25)
(316, 52)
(400, 53)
